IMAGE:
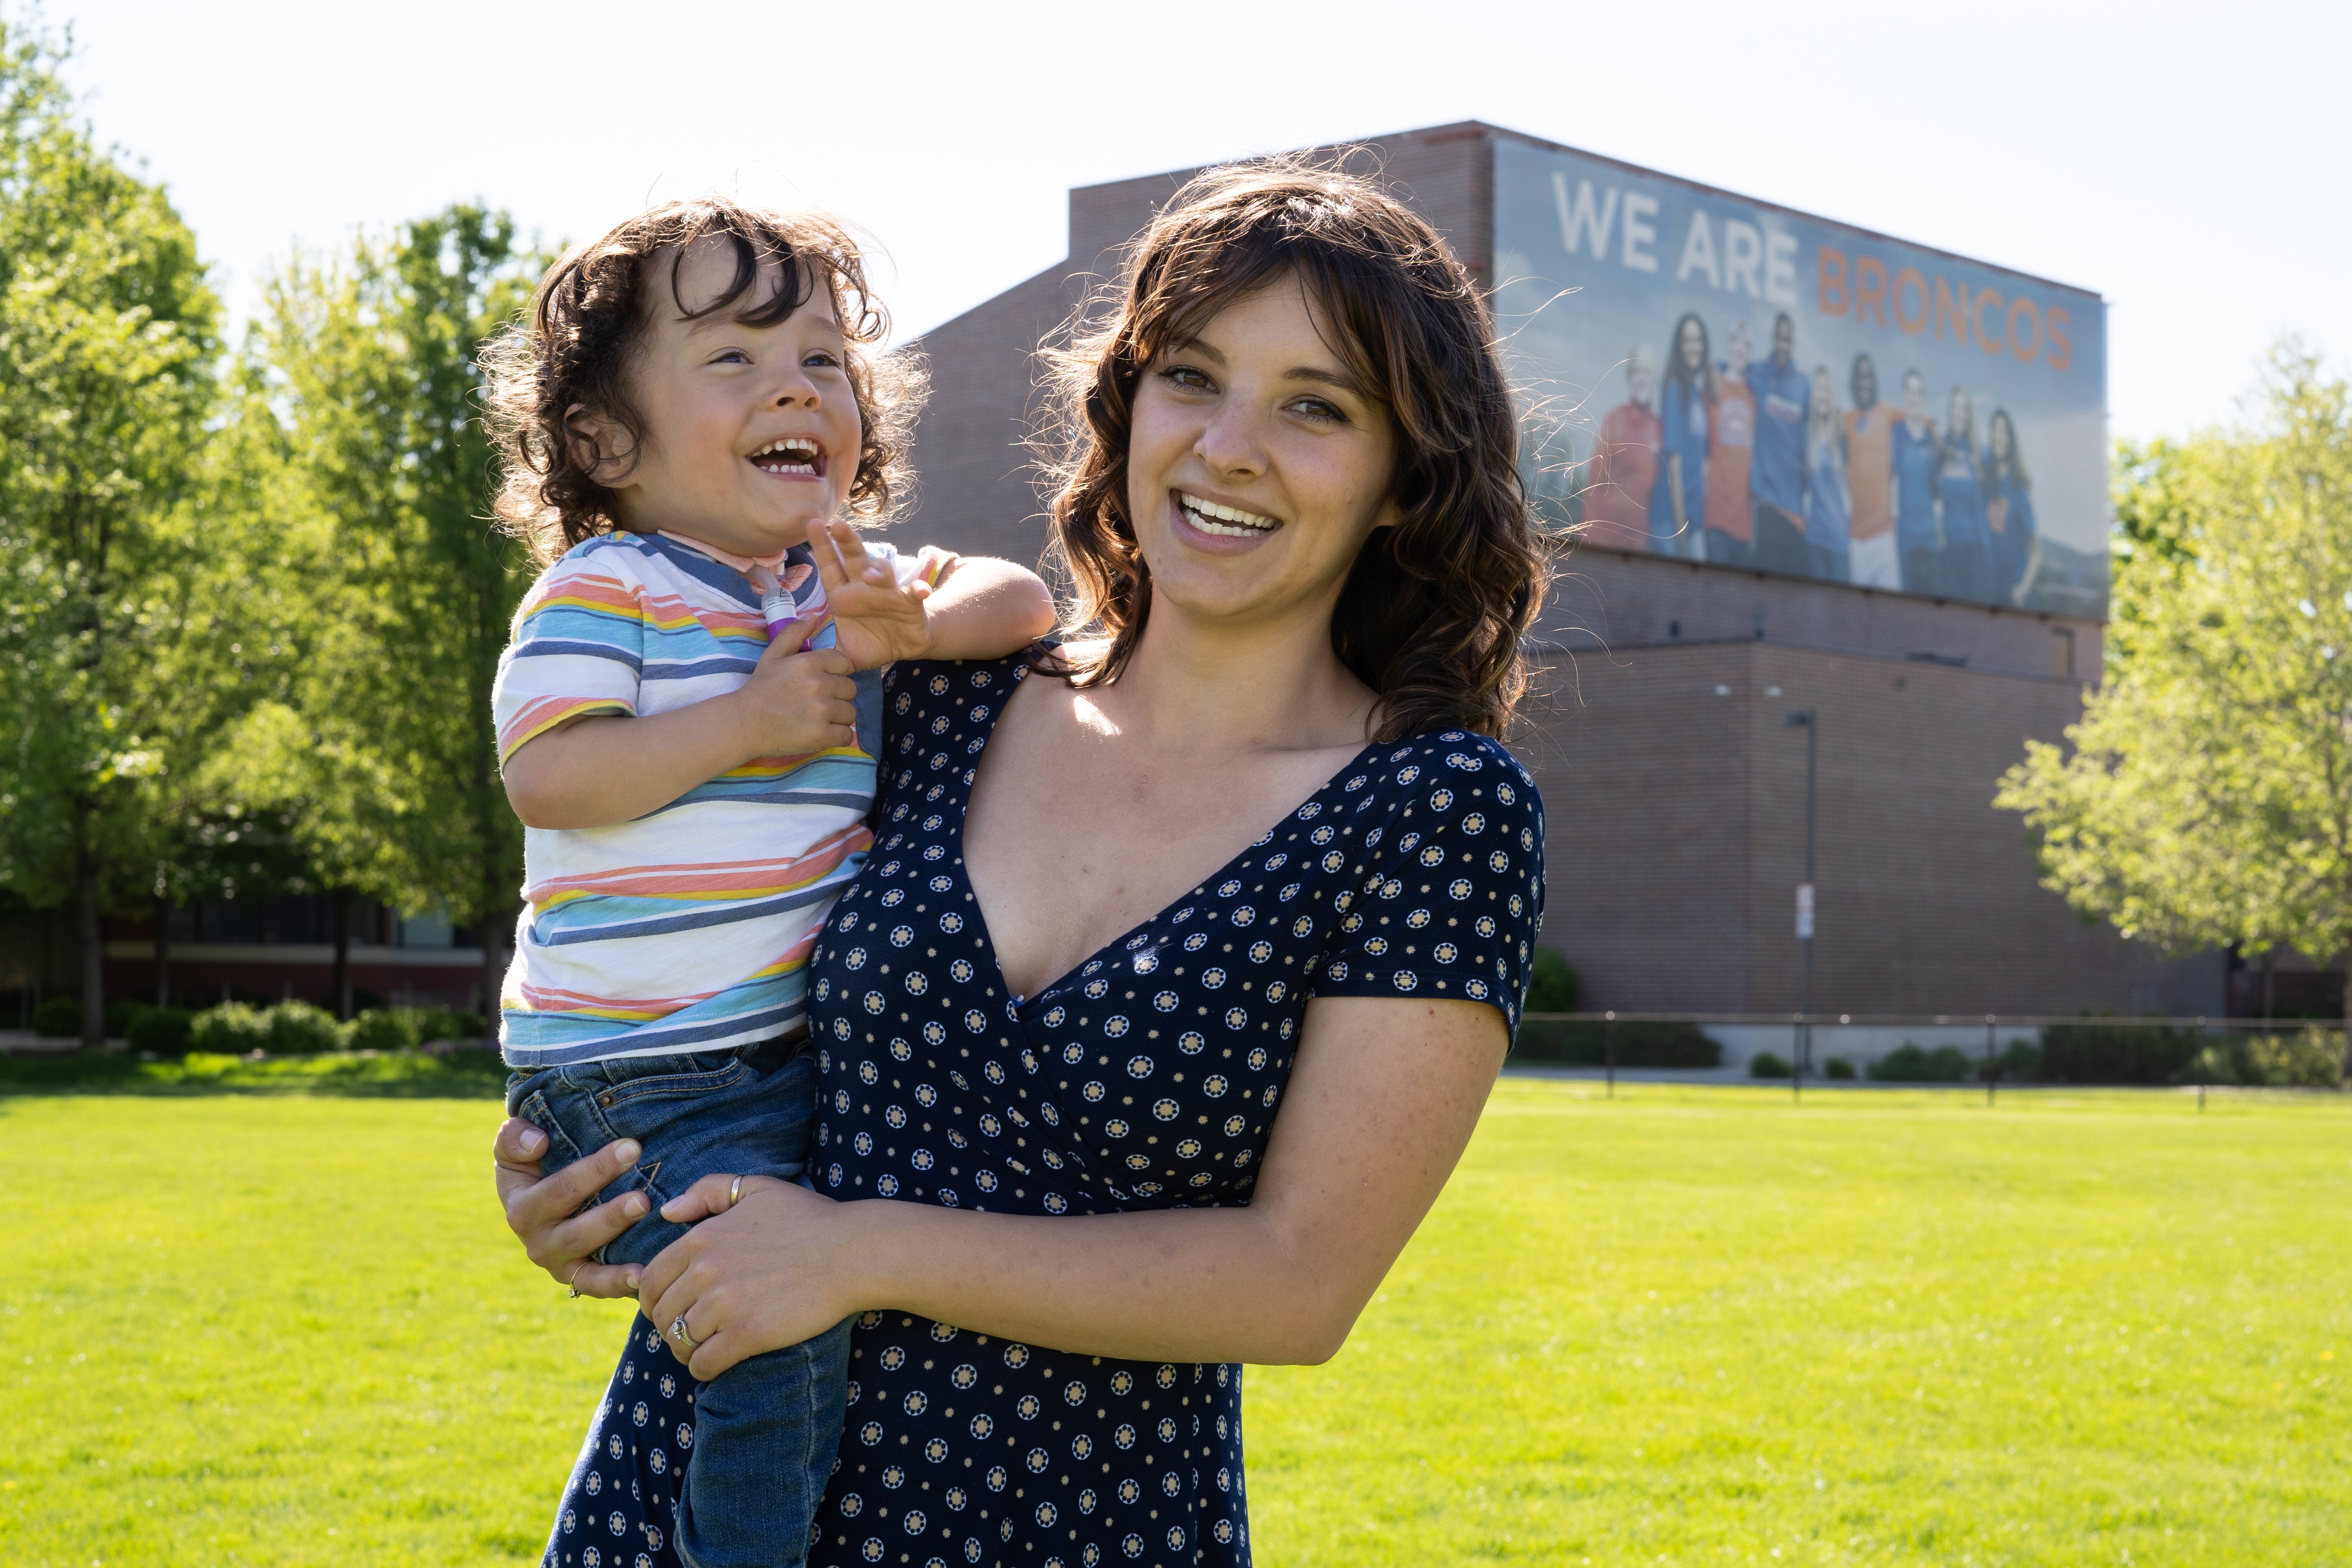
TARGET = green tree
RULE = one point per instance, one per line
(2208, 797)
(365, 368)
(108, 339)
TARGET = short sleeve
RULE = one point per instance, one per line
(578, 649)
(1452, 894)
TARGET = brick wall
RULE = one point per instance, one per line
(1675, 795)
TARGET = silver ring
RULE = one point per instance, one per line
(677, 1330)
(735, 1192)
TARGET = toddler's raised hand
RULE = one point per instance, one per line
(796, 703)
(875, 621)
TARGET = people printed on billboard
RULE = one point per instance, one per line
(1784, 395)
(2009, 506)
(1870, 473)
(1623, 469)
(1828, 496)
(1960, 504)
(1730, 459)
(1682, 417)
(1914, 489)
(1749, 460)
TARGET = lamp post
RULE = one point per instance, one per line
(1806, 720)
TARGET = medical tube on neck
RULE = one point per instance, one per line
(776, 605)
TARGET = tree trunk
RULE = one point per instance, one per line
(90, 929)
(162, 951)
(342, 953)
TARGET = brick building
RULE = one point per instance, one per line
(1675, 791)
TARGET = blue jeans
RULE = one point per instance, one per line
(764, 1431)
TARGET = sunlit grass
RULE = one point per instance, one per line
(1694, 1324)
(1702, 1326)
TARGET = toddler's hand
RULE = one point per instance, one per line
(796, 704)
(875, 621)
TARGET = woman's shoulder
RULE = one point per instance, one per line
(1451, 765)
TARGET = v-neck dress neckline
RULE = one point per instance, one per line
(1031, 1002)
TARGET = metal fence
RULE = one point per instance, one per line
(1991, 1049)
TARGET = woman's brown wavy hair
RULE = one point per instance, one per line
(1432, 610)
(577, 344)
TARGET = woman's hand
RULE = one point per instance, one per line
(757, 1277)
(546, 1213)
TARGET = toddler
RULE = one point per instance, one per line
(685, 418)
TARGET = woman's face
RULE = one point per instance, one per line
(1257, 467)
(1956, 412)
(2001, 437)
(1825, 396)
(1914, 398)
(1691, 345)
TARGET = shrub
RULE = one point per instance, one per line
(231, 1028)
(301, 1029)
(59, 1018)
(1837, 1067)
(1584, 1044)
(2306, 1059)
(120, 1015)
(2021, 1062)
(394, 1029)
(440, 1023)
(1765, 1064)
(1907, 1063)
(1552, 984)
(2117, 1052)
(163, 1030)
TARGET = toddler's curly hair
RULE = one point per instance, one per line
(577, 346)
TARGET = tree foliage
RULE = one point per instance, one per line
(361, 393)
(108, 339)
(2208, 796)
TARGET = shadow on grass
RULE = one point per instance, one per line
(404, 1074)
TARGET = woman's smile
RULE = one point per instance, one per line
(1216, 527)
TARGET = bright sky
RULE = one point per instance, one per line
(2186, 162)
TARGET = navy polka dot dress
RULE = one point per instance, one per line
(1147, 1078)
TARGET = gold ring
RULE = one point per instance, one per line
(735, 1192)
(684, 1335)
(572, 1292)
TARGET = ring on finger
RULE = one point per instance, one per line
(735, 1192)
(680, 1332)
(572, 1292)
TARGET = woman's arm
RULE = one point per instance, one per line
(1382, 1102)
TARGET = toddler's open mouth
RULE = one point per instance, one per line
(792, 457)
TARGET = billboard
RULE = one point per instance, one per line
(1711, 379)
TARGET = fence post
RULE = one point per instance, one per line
(1609, 1049)
(1992, 1072)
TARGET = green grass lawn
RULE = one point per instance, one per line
(1694, 1325)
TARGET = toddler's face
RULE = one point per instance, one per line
(751, 433)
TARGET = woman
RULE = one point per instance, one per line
(1280, 862)
(1828, 503)
(2009, 509)
(1678, 499)
(1959, 492)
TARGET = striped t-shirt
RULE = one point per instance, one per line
(689, 928)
